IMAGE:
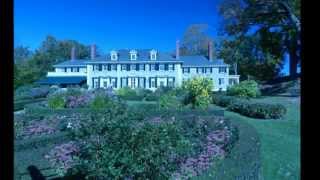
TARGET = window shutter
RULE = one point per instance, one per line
(166, 67)
(137, 67)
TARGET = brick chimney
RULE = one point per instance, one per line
(73, 53)
(93, 51)
(177, 49)
(210, 51)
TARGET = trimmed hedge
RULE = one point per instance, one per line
(258, 110)
(19, 105)
(249, 108)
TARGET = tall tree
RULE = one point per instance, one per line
(195, 40)
(51, 51)
(270, 18)
(21, 53)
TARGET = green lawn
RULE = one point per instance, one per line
(280, 139)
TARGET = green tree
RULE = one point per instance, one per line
(51, 51)
(21, 54)
(198, 92)
(277, 23)
(195, 40)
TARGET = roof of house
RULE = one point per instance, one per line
(144, 56)
(62, 80)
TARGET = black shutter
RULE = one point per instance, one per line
(166, 67)
(109, 67)
(157, 67)
(137, 67)
(144, 82)
(156, 82)
(128, 67)
(149, 82)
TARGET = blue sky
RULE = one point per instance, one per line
(112, 24)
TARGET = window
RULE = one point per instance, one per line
(133, 67)
(152, 83)
(141, 67)
(157, 67)
(78, 69)
(124, 82)
(152, 67)
(208, 70)
(222, 69)
(141, 82)
(96, 84)
(200, 70)
(153, 54)
(123, 67)
(128, 67)
(161, 67)
(170, 82)
(105, 84)
(113, 67)
(114, 82)
(133, 55)
(171, 67)
(221, 81)
(114, 55)
(186, 70)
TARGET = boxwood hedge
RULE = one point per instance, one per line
(250, 108)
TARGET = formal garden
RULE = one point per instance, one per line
(180, 133)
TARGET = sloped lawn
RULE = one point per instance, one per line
(280, 139)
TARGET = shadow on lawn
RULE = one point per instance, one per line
(35, 174)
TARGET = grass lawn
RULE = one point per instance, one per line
(280, 139)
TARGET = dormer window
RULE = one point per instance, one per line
(153, 54)
(133, 55)
(114, 55)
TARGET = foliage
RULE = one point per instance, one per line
(56, 101)
(258, 110)
(247, 89)
(222, 100)
(198, 92)
(129, 152)
(195, 40)
(274, 24)
(62, 156)
(168, 101)
(51, 51)
(22, 54)
(128, 94)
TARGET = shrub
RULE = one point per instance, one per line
(99, 102)
(168, 101)
(258, 110)
(31, 92)
(78, 101)
(198, 92)
(56, 102)
(137, 152)
(128, 94)
(248, 88)
(222, 100)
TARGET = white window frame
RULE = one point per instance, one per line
(114, 55)
(153, 55)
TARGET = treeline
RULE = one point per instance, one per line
(30, 66)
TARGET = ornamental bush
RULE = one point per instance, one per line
(258, 110)
(247, 89)
(168, 101)
(127, 93)
(199, 90)
(57, 101)
(222, 100)
(129, 150)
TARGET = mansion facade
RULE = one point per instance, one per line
(146, 68)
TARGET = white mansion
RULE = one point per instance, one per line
(148, 69)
